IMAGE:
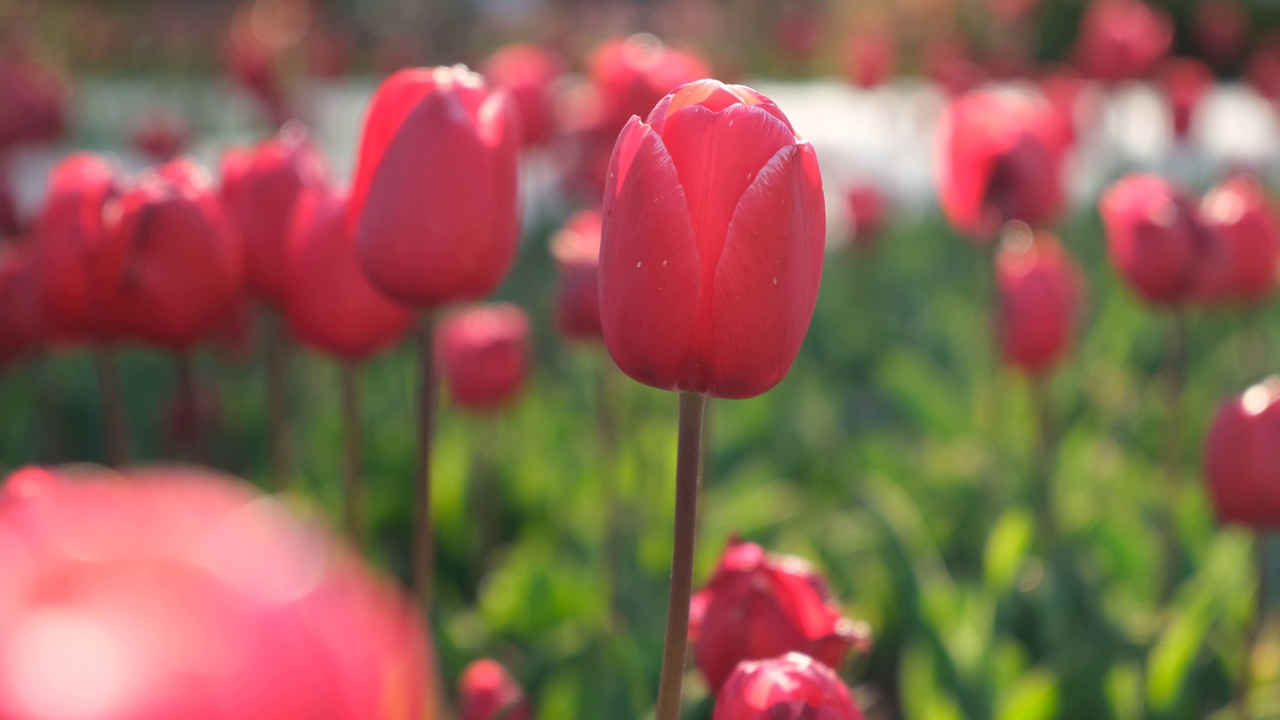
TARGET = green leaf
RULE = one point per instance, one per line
(1033, 697)
(1007, 546)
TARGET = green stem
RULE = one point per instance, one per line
(1176, 370)
(278, 403)
(1245, 682)
(115, 430)
(424, 533)
(184, 363)
(352, 443)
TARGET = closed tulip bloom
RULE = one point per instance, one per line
(1040, 288)
(169, 264)
(1243, 222)
(164, 594)
(487, 692)
(866, 207)
(434, 209)
(634, 74)
(1241, 457)
(69, 238)
(528, 72)
(330, 305)
(1185, 82)
(1263, 68)
(1155, 240)
(36, 97)
(759, 606)
(577, 252)
(260, 187)
(711, 254)
(484, 355)
(869, 57)
(160, 133)
(1220, 29)
(1001, 160)
(23, 328)
(791, 687)
(1122, 39)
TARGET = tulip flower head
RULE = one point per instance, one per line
(484, 355)
(865, 204)
(1220, 29)
(1239, 215)
(1184, 81)
(1263, 69)
(1241, 457)
(433, 209)
(1155, 239)
(160, 133)
(1122, 39)
(790, 687)
(1001, 161)
(1040, 289)
(36, 98)
(759, 606)
(528, 72)
(576, 249)
(869, 57)
(711, 253)
(633, 74)
(487, 692)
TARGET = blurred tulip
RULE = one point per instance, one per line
(791, 687)
(23, 327)
(866, 207)
(484, 355)
(948, 63)
(35, 98)
(797, 32)
(169, 265)
(714, 231)
(1065, 91)
(577, 252)
(634, 73)
(870, 57)
(1263, 69)
(258, 38)
(1040, 291)
(9, 223)
(758, 606)
(1155, 240)
(1219, 29)
(160, 133)
(199, 600)
(1122, 39)
(1001, 161)
(1241, 457)
(260, 187)
(487, 692)
(434, 208)
(1184, 81)
(330, 305)
(1239, 214)
(69, 241)
(528, 72)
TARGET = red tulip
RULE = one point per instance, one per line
(759, 606)
(260, 187)
(577, 251)
(160, 133)
(169, 265)
(1219, 29)
(949, 64)
(1247, 231)
(797, 32)
(35, 98)
(484, 355)
(869, 57)
(22, 323)
(254, 48)
(434, 208)
(634, 74)
(1065, 92)
(1040, 289)
(1155, 240)
(791, 687)
(1263, 69)
(866, 206)
(330, 305)
(1001, 161)
(68, 245)
(528, 73)
(714, 230)
(1241, 457)
(1122, 39)
(1185, 81)
(487, 692)
(175, 593)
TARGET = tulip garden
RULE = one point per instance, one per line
(593, 386)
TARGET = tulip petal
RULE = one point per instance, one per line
(766, 284)
(649, 265)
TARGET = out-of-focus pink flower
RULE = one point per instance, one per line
(1263, 69)
(634, 73)
(1247, 233)
(528, 72)
(797, 32)
(1241, 456)
(36, 97)
(484, 355)
(160, 133)
(22, 322)
(1219, 29)
(1065, 91)
(870, 57)
(791, 687)
(179, 593)
(576, 248)
(487, 692)
(865, 205)
(1040, 291)
(949, 63)
(261, 34)
(1184, 81)
(9, 223)
(1122, 39)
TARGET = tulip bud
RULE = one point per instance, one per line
(260, 187)
(634, 74)
(160, 133)
(68, 243)
(791, 687)
(1155, 241)
(528, 73)
(1184, 81)
(869, 57)
(1040, 290)
(1219, 29)
(758, 606)
(169, 266)
(199, 598)
(330, 304)
(22, 323)
(866, 208)
(1001, 161)
(1241, 457)
(487, 692)
(35, 97)
(1122, 39)
(577, 251)
(711, 253)
(484, 355)
(434, 208)
(1246, 228)
(949, 64)
(1263, 69)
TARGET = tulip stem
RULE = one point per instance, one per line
(184, 363)
(115, 430)
(688, 473)
(424, 534)
(352, 443)
(1176, 378)
(1244, 683)
(278, 403)
(1042, 464)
